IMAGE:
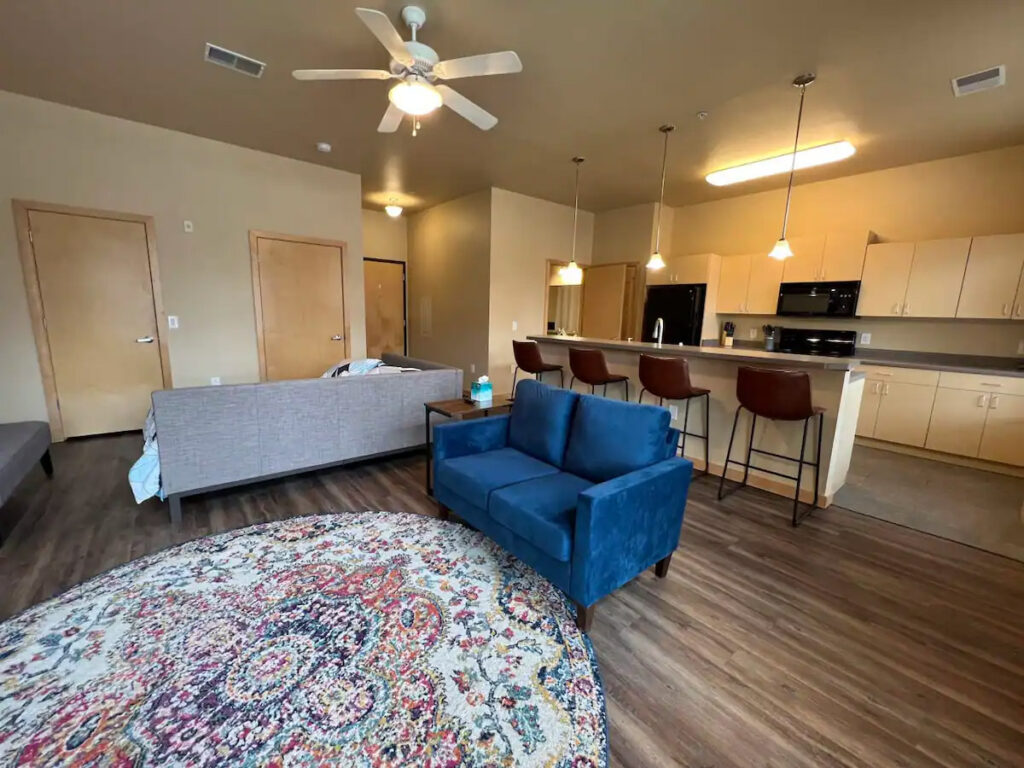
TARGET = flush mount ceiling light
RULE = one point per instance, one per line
(393, 210)
(805, 158)
(571, 274)
(656, 261)
(415, 96)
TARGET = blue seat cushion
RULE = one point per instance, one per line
(542, 511)
(474, 477)
(540, 420)
(610, 438)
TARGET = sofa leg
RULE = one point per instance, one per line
(661, 567)
(175, 501)
(47, 463)
(442, 511)
(584, 616)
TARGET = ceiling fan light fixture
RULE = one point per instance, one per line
(781, 251)
(415, 96)
(392, 210)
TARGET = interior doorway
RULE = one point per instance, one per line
(94, 297)
(299, 296)
(384, 284)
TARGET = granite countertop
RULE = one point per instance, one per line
(941, 361)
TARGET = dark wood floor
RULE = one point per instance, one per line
(848, 641)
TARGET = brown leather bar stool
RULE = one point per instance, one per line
(781, 396)
(588, 366)
(527, 354)
(668, 378)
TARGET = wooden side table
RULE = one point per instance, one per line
(458, 409)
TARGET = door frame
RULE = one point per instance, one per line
(405, 301)
(257, 295)
(26, 252)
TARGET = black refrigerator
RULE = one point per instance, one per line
(682, 309)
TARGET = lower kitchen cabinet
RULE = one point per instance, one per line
(869, 408)
(1003, 437)
(903, 413)
(958, 420)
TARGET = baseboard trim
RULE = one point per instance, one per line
(946, 458)
(763, 482)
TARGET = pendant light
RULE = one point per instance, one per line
(782, 250)
(572, 274)
(656, 261)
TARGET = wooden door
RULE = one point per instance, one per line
(604, 293)
(844, 256)
(300, 305)
(804, 266)
(732, 285)
(958, 419)
(763, 287)
(384, 283)
(904, 412)
(993, 272)
(91, 278)
(869, 403)
(936, 277)
(884, 282)
(1004, 426)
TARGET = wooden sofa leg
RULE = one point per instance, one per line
(442, 511)
(661, 567)
(175, 501)
(47, 463)
(584, 616)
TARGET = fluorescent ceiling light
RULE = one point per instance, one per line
(805, 158)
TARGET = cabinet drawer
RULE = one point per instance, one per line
(900, 375)
(1003, 385)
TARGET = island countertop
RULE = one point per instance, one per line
(731, 354)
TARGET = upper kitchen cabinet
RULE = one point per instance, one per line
(936, 275)
(884, 282)
(732, 284)
(993, 277)
(843, 257)
(763, 286)
(804, 266)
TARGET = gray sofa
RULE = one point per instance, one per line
(217, 437)
(22, 444)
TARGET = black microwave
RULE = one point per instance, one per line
(818, 299)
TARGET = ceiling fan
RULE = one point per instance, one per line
(417, 68)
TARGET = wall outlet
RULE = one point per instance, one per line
(674, 411)
(172, 321)
(865, 338)
(753, 333)
(188, 226)
(472, 367)
(215, 381)
(515, 325)
(1020, 347)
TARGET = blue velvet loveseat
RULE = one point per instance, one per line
(588, 491)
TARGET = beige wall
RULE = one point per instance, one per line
(56, 154)
(384, 237)
(525, 233)
(976, 194)
(449, 282)
(626, 234)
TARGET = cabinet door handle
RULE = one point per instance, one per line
(1016, 311)
(896, 308)
(981, 400)
(906, 309)
(885, 389)
(993, 402)
(1006, 310)
(990, 384)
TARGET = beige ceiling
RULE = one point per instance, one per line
(599, 77)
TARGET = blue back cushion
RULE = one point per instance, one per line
(539, 424)
(611, 438)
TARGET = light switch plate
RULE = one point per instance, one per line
(515, 325)
(188, 225)
(215, 381)
(753, 333)
(674, 411)
(172, 321)
(1020, 347)
(865, 338)
(472, 367)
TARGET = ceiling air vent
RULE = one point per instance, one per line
(236, 61)
(980, 81)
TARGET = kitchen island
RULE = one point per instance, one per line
(835, 386)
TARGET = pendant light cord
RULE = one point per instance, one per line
(576, 208)
(792, 167)
(666, 129)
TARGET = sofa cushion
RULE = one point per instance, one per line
(540, 420)
(611, 438)
(542, 511)
(474, 477)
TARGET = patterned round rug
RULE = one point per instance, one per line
(369, 639)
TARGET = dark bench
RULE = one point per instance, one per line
(22, 444)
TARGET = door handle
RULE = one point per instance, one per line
(981, 401)
(336, 337)
(144, 340)
(993, 402)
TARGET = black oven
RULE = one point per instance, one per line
(818, 299)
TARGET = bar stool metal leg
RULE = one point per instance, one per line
(799, 473)
(728, 451)
(561, 379)
(686, 421)
(750, 447)
(707, 433)
(514, 375)
(641, 398)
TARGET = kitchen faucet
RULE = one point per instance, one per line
(659, 329)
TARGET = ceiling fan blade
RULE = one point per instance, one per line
(503, 63)
(385, 31)
(459, 104)
(391, 120)
(342, 74)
